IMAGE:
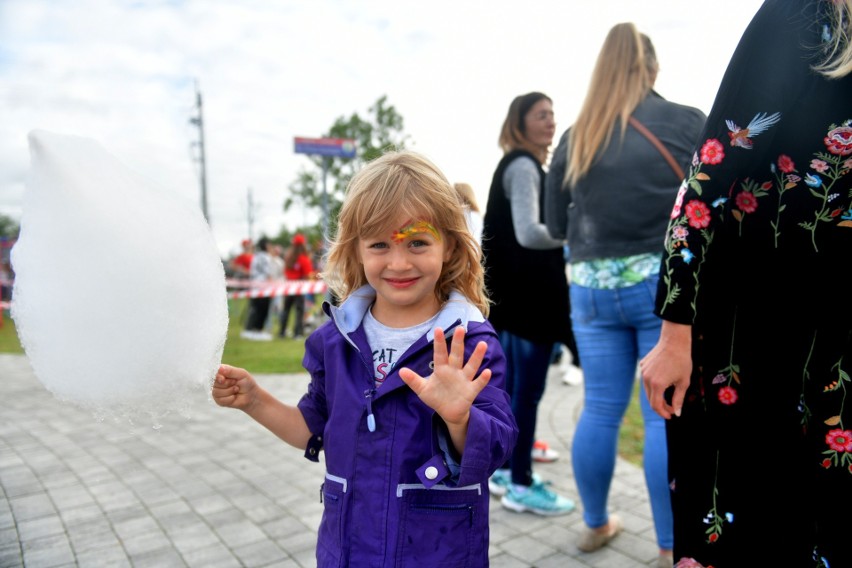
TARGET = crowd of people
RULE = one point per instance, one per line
(704, 254)
(263, 264)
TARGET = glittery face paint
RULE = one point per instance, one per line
(414, 229)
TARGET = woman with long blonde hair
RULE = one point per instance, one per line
(609, 191)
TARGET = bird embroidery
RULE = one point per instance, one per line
(742, 136)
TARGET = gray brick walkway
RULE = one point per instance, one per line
(217, 490)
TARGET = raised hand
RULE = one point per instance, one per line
(453, 385)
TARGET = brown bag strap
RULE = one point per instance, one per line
(659, 146)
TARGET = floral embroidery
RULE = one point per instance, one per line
(713, 518)
(712, 152)
(728, 395)
(786, 180)
(839, 140)
(839, 450)
(829, 167)
(746, 200)
(697, 214)
(687, 562)
(838, 440)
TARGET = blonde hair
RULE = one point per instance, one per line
(624, 73)
(838, 62)
(467, 196)
(512, 133)
(404, 182)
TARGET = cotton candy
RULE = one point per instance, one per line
(119, 297)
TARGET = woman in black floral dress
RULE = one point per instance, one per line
(755, 286)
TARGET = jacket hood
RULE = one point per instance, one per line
(349, 315)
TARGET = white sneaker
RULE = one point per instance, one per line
(542, 452)
(572, 376)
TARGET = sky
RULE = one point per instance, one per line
(126, 74)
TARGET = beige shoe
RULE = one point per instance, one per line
(665, 561)
(592, 540)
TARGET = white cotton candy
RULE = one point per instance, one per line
(119, 296)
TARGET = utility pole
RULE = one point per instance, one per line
(250, 215)
(199, 122)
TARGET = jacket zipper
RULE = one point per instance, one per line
(371, 419)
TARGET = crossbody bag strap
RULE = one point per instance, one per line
(659, 146)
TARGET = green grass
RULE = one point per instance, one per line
(631, 437)
(285, 356)
(276, 356)
(9, 336)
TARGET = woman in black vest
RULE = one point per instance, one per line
(525, 277)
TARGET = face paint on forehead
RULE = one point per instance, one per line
(414, 229)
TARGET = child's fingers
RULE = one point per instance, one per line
(457, 348)
(482, 380)
(412, 379)
(475, 361)
(440, 354)
(230, 372)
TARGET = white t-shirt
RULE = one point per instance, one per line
(389, 343)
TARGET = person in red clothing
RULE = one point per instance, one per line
(297, 266)
(241, 264)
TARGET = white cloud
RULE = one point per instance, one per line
(123, 73)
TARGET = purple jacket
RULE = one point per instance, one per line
(394, 494)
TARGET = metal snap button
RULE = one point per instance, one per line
(431, 472)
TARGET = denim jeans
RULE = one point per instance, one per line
(526, 374)
(614, 329)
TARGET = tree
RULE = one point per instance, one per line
(8, 227)
(381, 131)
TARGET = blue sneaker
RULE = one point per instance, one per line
(501, 479)
(537, 499)
(499, 482)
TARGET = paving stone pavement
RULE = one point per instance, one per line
(218, 490)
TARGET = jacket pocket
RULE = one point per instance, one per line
(330, 534)
(439, 525)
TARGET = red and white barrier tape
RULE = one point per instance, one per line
(262, 290)
(286, 288)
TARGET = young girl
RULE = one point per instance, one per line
(411, 428)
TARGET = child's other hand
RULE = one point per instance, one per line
(453, 385)
(234, 388)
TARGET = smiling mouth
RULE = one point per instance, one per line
(401, 282)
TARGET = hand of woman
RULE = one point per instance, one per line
(668, 364)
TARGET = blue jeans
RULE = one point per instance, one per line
(614, 329)
(526, 374)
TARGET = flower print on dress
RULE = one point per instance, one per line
(839, 452)
(839, 139)
(785, 179)
(829, 166)
(746, 199)
(730, 374)
(714, 518)
(838, 439)
(695, 214)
